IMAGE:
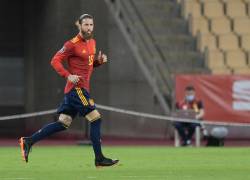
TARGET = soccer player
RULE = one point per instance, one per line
(79, 53)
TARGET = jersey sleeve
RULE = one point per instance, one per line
(59, 57)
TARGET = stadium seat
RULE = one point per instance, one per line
(228, 42)
(208, 1)
(248, 56)
(236, 9)
(245, 42)
(198, 25)
(214, 59)
(206, 41)
(191, 7)
(220, 25)
(242, 71)
(228, 1)
(231, 1)
(213, 9)
(241, 25)
(248, 7)
(236, 59)
(221, 71)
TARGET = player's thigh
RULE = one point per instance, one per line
(66, 107)
(86, 106)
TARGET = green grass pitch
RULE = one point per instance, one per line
(137, 163)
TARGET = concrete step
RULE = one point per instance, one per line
(151, 2)
(184, 59)
(166, 26)
(176, 43)
(169, 9)
(168, 31)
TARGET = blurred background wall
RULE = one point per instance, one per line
(32, 32)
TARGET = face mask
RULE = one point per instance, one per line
(190, 98)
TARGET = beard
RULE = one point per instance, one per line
(87, 35)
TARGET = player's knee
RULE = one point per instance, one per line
(93, 116)
(65, 120)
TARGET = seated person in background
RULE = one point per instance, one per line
(190, 103)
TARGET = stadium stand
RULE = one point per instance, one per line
(245, 42)
(191, 7)
(236, 59)
(218, 55)
(235, 9)
(213, 9)
(241, 25)
(170, 32)
(220, 26)
(206, 41)
(200, 25)
(228, 42)
(222, 29)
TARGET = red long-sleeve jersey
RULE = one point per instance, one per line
(80, 57)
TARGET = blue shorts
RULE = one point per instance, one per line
(77, 101)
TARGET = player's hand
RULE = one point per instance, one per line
(74, 78)
(102, 58)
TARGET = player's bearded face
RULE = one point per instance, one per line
(87, 27)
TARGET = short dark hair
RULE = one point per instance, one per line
(84, 16)
(190, 88)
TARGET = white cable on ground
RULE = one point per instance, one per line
(129, 112)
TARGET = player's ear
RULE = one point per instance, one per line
(78, 25)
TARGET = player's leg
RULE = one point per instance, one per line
(95, 136)
(88, 110)
(26, 143)
(63, 123)
(94, 118)
(66, 113)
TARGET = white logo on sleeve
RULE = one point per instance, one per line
(241, 95)
(62, 50)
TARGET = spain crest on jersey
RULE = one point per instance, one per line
(84, 51)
